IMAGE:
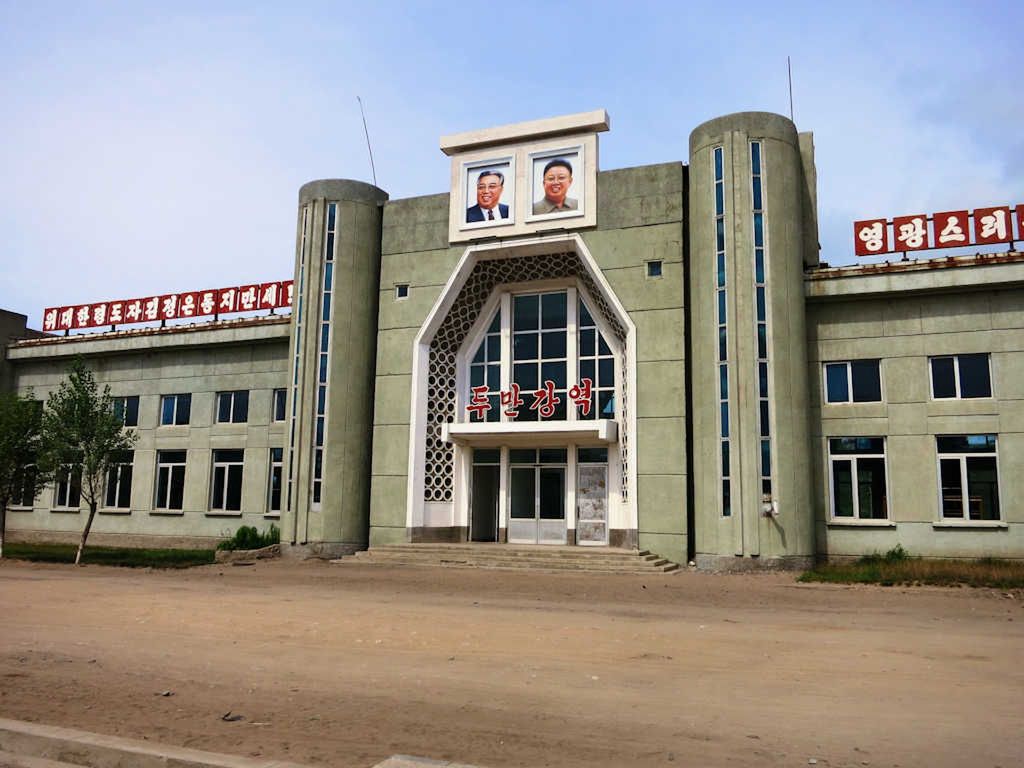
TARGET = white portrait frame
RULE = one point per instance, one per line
(575, 155)
(470, 172)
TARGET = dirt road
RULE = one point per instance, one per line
(343, 665)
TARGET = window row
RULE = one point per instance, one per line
(231, 407)
(953, 377)
(968, 478)
(169, 493)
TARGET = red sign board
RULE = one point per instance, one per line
(870, 237)
(171, 306)
(948, 229)
(911, 233)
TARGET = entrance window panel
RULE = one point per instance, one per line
(552, 493)
(540, 354)
(523, 493)
(485, 371)
(596, 363)
(592, 455)
(542, 344)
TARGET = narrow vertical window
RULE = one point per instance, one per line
(297, 359)
(274, 481)
(761, 317)
(323, 354)
(722, 333)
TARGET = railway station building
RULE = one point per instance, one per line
(545, 352)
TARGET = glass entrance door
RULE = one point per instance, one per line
(537, 497)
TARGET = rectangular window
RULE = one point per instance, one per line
(24, 487)
(68, 488)
(226, 483)
(280, 400)
(119, 482)
(961, 376)
(233, 407)
(853, 381)
(274, 481)
(175, 409)
(968, 477)
(170, 480)
(857, 474)
(126, 409)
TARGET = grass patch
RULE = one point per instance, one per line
(117, 556)
(250, 537)
(897, 567)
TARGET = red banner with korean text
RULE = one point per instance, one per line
(170, 306)
(948, 229)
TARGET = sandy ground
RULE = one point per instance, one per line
(344, 665)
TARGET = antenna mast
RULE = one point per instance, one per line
(369, 149)
(789, 69)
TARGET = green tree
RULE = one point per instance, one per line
(22, 473)
(80, 429)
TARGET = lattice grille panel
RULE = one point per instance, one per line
(444, 349)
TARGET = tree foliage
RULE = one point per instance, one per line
(80, 429)
(22, 470)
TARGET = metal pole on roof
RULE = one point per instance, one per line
(789, 70)
(368, 148)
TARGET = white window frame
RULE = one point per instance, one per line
(18, 501)
(169, 467)
(117, 469)
(501, 301)
(233, 394)
(281, 393)
(225, 466)
(956, 376)
(174, 415)
(278, 466)
(123, 400)
(62, 487)
(853, 457)
(849, 382)
(965, 502)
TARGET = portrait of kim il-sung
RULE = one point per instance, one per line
(489, 192)
(557, 183)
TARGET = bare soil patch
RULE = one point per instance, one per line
(343, 665)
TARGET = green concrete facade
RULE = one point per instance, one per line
(373, 382)
(202, 361)
(968, 309)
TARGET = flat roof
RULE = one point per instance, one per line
(239, 330)
(972, 272)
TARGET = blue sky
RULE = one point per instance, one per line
(149, 148)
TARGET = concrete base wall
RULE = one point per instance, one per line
(737, 564)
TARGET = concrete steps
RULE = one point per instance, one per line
(510, 556)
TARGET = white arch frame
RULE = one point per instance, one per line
(417, 510)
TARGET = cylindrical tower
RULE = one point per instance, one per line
(751, 450)
(331, 368)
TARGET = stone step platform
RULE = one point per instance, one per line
(519, 557)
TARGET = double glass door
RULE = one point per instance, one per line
(537, 496)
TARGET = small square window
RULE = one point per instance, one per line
(233, 407)
(175, 409)
(961, 377)
(126, 409)
(401, 291)
(654, 268)
(853, 381)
